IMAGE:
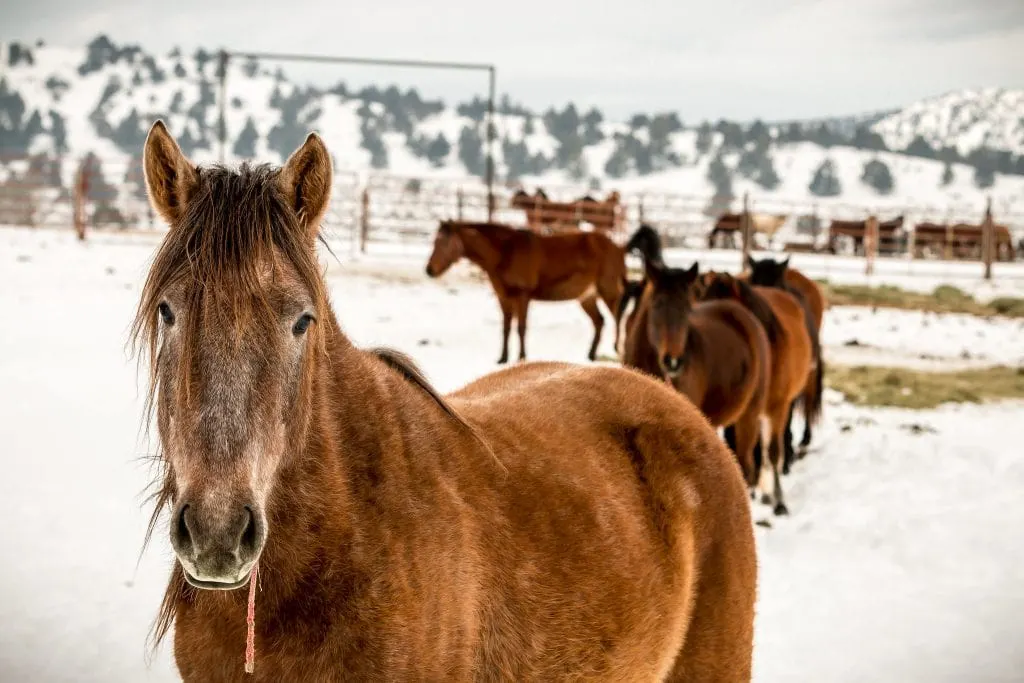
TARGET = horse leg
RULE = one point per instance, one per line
(787, 440)
(523, 305)
(805, 440)
(506, 323)
(590, 308)
(747, 431)
(775, 455)
(613, 301)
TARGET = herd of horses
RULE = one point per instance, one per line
(925, 239)
(547, 216)
(744, 349)
(548, 521)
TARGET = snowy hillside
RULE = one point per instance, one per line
(60, 106)
(965, 120)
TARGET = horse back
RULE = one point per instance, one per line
(730, 354)
(632, 471)
(811, 293)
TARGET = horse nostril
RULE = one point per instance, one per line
(183, 530)
(249, 540)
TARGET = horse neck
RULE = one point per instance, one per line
(317, 512)
(480, 248)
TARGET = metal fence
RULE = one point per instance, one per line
(93, 194)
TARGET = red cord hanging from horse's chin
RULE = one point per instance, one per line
(250, 620)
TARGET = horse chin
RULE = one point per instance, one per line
(217, 585)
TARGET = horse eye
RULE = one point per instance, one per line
(165, 313)
(302, 324)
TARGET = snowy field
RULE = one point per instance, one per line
(901, 561)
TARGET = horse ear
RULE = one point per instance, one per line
(785, 264)
(306, 180)
(170, 177)
(751, 262)
(693, 272)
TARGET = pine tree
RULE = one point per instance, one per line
(720, 177)
(438, 150)
(919, 147)
(825, 182)
(245, 144)
(876, 174)
(865, 138)
(705, 138)
(471, 151)
(947, 175)
(984, 177)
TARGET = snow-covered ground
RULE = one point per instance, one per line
(901, 560)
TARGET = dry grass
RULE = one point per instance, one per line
(905, 388)
(944, 299)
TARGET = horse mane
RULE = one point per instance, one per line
(759, 307)
(407, 368)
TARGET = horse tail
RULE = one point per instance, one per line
(630, 290)
(811, 399)
(646, 241)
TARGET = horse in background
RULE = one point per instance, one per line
(546, 216)
(545, 522)
(792, 355)
(771, 273)
(888, 235)
(523, 266)
(728, 225)
(716, 354)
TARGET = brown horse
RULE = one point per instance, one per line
(524, 266)
(543, 214)
(771, 273)
(792, 359)
(728, 225)
(716, 354)
(962, 241)
(888, 235)
(546, 522)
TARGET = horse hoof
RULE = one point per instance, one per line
(785, 469)
(780, 509)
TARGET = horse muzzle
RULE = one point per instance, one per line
(218, 548)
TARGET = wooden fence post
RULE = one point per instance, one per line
(870, 244)
(745, 231)
(364, 222)
(988, 238)
(81, 190)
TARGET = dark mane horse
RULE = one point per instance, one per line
(771, 273)
(545, 522)
(523, 266)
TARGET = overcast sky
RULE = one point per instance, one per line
(772, 59)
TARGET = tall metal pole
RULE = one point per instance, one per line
(222, 126)
(490, 145)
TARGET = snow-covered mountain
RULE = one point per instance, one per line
(61, 105)
(967, 120)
